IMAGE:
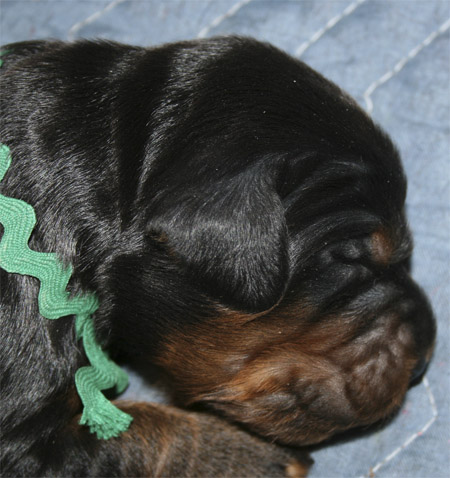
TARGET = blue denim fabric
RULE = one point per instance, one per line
(393, 56)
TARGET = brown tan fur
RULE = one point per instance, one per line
(240, 365)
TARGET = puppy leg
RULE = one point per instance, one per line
(194, 444)
(163, 441)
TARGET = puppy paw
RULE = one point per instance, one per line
(299, 469)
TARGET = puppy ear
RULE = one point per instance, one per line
(231, 236)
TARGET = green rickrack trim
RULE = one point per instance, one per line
(18, 219)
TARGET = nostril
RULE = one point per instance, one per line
(418, 371)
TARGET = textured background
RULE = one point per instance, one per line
(394, 57)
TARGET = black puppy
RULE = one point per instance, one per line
(242, 222)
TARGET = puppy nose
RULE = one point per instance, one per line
(418, 370)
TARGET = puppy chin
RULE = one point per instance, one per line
(297, 399)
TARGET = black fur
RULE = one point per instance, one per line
(182, 181)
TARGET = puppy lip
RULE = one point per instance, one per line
(418, 371)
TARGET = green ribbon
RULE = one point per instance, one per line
(18, 219)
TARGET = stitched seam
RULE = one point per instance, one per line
(413, 437)
(91, 19)
(329, 25)
(401, 64)
(218, 20)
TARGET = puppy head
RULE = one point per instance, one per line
(331, 345)
(275, 268)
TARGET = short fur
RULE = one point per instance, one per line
(241, 220)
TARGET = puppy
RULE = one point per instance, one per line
(242, 223)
